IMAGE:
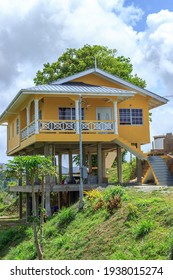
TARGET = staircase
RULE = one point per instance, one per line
(110, 158)
(162, 176)
(132, 149)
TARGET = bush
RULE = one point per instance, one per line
(111, 192)
(113, 204)
(132, 212)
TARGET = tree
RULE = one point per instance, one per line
(76, 60)
(33, 166)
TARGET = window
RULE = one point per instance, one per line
(68, 114)
(17, 126)
(131, 116)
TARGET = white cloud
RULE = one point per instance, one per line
(34, 32)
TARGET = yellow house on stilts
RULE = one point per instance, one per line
(44, 120)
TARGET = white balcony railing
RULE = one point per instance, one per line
(69, 126)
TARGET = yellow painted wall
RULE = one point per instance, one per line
(136, 133)
(96, 80)
(13, 137)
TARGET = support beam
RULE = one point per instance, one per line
(139, 170)
(99, 163)
(119, 165)
(104, 163)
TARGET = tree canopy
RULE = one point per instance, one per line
(73, 61)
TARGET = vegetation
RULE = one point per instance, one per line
(76, 60)
(33, 166)
(141, 228)
(129, 172)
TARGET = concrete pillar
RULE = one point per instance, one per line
(60, 167)
(70, 164)
(139, 170)
(104, 163)
(115, 118)
(119, 165)
(99, 163)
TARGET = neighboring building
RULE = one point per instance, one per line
(160, 159)
(163, 144)
(115, 114)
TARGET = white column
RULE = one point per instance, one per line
(36, 116)
(77, 115)
(115, 118)
(28, 118)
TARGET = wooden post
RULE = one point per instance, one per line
(99, 163)
(119, 165)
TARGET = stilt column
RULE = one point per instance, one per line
(119, 165)
(139, 170)
(99, 163)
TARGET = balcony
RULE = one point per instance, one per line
(69, 126)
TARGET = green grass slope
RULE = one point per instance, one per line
(141, 227)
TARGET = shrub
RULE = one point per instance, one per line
(113, 204)
(99, 204)
(111, 192)
(132, 212)
(93, 194)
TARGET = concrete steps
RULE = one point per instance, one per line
(162, 174)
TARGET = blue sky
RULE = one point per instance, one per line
(149, 7)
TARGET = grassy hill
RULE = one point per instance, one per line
(141, 227)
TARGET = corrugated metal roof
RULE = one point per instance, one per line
(75, 87)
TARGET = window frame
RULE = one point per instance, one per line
(134, 120)
(72, 114)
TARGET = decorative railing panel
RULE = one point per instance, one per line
(69, 126)
(28, 131)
